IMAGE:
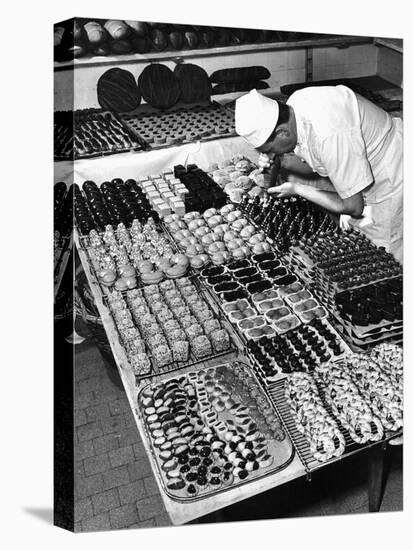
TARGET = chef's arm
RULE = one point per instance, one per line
(331, 201)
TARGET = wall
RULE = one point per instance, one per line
(351, 62)
(390, 65)
(286, 67)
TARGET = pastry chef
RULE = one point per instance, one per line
(335, 133)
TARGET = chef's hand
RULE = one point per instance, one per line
(264, 162)
(284, 190)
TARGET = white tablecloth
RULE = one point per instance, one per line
(139, 165)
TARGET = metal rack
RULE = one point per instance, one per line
(132, 122)
(276, 393)
(239, 483)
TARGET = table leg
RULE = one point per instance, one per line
(376, 459)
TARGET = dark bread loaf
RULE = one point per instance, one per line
(246, 86)
(140, 28)
(118, 91)
(159, 86)
(159, 39)
(193, 81)
(120, 46)
(240, 74)
(176, 40)
(140, 44)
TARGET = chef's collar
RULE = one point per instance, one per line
(300, 129)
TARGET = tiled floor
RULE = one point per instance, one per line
(114, 484)
(115, 487)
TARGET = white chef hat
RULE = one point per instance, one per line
(255, 117)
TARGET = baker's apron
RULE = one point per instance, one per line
(382, 219)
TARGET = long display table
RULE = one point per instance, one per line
(302, 464)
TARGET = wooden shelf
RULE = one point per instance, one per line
(338, 42)
(374, 83)
(395, 44)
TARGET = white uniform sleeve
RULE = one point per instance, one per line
(344, 157)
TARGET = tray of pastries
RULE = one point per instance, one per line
(90, 133)
(181, 124)
(166, 326)
(377, 378)
(211, 430)
(298, 350)
(321, 431)
(128, 258)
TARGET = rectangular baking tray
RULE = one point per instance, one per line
(287, 442)
(140, 144)
(133, 121)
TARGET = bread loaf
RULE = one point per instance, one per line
(117, 29)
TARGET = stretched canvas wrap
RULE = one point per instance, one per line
(222, 336)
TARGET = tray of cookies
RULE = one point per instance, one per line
(180, 124)
(212, 430)
(91, 133)
(347, 403)
(376, 378)
(312, 419)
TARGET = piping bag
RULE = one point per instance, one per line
(192, 148)
(274, 171)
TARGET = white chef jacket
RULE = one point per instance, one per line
(358, 146)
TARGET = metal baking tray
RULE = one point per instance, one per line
(268, 381)
(192, 360)
(283, 449)
(70, 132)
(140, 120)
(85, 244)
(276, 393)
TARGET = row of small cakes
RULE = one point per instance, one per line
(311, 417)
(348, 405)
(239, 176)
(172, 320)
(297, 350)
(132, 339)
(378, 376)
(124, 258)
(216, 235)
